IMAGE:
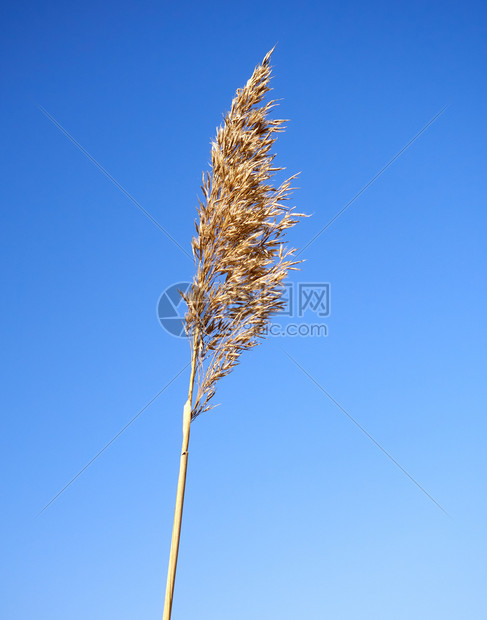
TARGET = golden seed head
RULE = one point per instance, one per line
(240, 258)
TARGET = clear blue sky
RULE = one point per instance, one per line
(292, 511)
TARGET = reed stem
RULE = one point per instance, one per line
(178, 513)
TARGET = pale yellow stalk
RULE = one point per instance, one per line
(178, 512)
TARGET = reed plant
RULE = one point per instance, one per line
(240, 258)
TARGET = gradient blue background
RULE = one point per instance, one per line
(291, 512)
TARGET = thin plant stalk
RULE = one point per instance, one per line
(178, 512)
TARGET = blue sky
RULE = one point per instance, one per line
(291, 511)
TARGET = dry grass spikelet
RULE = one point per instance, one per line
(238, 248)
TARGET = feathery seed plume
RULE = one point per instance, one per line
(240, 258)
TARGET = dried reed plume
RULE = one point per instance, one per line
(240, 258)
